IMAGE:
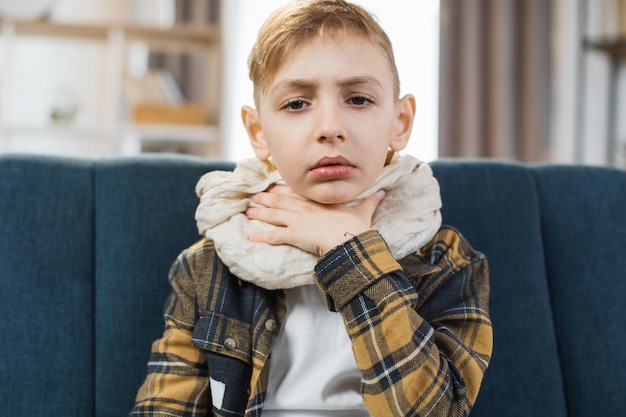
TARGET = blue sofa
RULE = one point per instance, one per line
(85, 247)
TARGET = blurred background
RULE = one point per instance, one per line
(524, 80)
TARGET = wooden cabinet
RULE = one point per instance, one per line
(97, 117)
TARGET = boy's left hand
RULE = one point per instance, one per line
(310, 226)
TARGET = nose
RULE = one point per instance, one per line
(329, 123)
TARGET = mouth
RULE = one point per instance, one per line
(334, 167)
(331, 161)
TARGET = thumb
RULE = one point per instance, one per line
(373, 201)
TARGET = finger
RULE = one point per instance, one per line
(266, 198)
(268, 215)
(278, 189)
(275, 189)
(284, 190)
(279, 236)
(290, 202)
(273, 237)
(380, 195)
(371, 203)
(283, 236)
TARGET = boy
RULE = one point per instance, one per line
(325, 284)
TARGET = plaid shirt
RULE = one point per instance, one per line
(419, 328)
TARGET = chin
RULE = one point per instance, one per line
(331, 200)
(332, 197)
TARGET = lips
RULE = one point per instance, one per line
(332, 167)
(331, 160)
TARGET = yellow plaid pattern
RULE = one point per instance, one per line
(419, 327)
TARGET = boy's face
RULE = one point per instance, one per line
(328, 118)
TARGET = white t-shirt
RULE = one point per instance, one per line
(313, 371)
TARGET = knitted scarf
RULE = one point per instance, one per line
(407, 218)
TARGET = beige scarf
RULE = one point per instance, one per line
(407, 218)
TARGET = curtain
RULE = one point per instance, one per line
(495, 79)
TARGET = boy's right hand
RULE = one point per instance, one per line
(308, 225)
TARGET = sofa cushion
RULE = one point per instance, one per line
(46, 284)
(495, 206)
(584, 230)
(145, 217)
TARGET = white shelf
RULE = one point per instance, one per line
(204, 35)
(176, 133)
(136, 136)
(115, 135)
(55, 130)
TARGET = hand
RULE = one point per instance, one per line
(308, 225)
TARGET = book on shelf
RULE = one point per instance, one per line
(184, 114)
(156, 97)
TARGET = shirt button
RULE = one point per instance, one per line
(270, 325)
(230, 343)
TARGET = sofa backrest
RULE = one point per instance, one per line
(47, 339)
(583, 223)
(144, 218)
(85, 249)
(555, 237)
(496, 207)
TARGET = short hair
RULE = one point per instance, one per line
(291, 25)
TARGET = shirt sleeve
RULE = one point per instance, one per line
(177, 382)
(421, 333)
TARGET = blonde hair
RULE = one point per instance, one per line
(291, 25)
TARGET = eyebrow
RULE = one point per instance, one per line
(361, 80)
(295, 84)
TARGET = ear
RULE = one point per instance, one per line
(405, 114)
(250, 118)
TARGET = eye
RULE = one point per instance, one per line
(360, 100)
(295, 105)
